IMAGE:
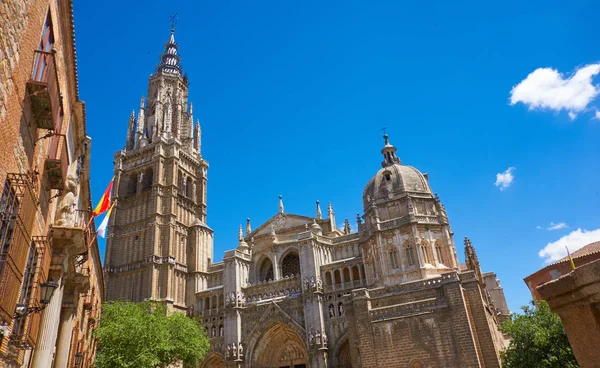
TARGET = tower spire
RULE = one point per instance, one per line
(319, 213)
(169, 59)
(130, 132)
(331, 216)
(280, 204)
(389, 153)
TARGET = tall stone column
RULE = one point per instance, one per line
(63, 345)
(42, 355)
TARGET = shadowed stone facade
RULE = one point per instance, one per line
(297, 291)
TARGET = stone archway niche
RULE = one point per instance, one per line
(279, 347)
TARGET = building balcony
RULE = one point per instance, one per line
(73, 229)
(42, 88)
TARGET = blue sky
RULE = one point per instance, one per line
(291, 97)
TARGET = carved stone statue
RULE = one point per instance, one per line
(313, 284)
(305, 283)
(341, 309)
(319, 282)
(221, 331)
(67, 204)
(234, 350)
(331, 312)
(311, 338)
(318, 338)
(240, 350)
(228, 352)
(325, 340)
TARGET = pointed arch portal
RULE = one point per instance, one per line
(280, 346)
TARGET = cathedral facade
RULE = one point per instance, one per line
(296, 291)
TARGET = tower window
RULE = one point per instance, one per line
(387, 176)
(438, 250)
(410, 255)
(394, 258)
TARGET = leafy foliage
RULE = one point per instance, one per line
(143, 335)
(538, 339)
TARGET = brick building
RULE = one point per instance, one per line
(297, 291)
(51, 281)
(587, 254)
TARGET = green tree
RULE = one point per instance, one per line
(143, 335)
(538, 339)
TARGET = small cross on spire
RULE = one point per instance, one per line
(173, 22)
(384, 130)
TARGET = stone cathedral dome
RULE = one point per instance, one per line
(393, 179)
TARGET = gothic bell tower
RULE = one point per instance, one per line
(159, 246)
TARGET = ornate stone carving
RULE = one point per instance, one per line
(67, 204)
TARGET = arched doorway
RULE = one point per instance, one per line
(279, 346)
(213, 360)
(343, 359)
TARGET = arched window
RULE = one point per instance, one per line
(132, 185)
(355, 274)
(189, 186)
(328, 278)
(290, 265)
(337, 277)
(147, 179)
(346, 274)
(424, 252)
(439, 253)
(179, 180)
(410, 255)
(393, 258)
(265, 271)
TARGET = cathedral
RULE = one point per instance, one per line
(297, 291)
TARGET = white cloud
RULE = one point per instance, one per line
(560, 225)
(547, 88)
(505, 179)
(539, 227)
(597, 115)
(574, 240)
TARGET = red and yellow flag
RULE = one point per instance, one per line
(104, 203)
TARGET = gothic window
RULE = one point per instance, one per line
(290, 266)
(424, 252)
(180, 181)
(266, 270)
(131, 185)
(188, 187)
(410, 255)
(438, 251)
(355, 273)
(328, 280)
(394, 258)
(346, 275)
(337, 277)
(147, 179)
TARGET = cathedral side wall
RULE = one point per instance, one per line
(433, 330)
